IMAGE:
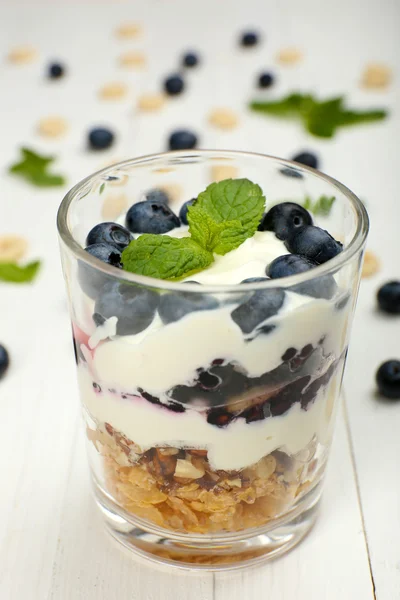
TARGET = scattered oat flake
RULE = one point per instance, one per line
(371, 264)
(150, 102)
(132, 59)
(22, 54)
(289, 56)
(224, 118)
(129, 30)
(113, 206)
(376, 76)
(113, 91)
(12, 247)
(221, 172)
(52, 126)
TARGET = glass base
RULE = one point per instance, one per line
(213, 552)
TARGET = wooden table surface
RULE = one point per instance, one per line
(52, 544)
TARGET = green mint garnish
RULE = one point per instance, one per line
(34, 168)
(222, 218)
(322, 206)
(13, 273)
(165, 257)
(320, 118)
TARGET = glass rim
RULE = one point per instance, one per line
(327, 268)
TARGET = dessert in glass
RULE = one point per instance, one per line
(210, 331)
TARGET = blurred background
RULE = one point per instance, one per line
(70, 69)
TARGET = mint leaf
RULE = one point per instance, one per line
(34, 168)
(215, 237)
(320, 118)
(165, 257)
(234, 199)
(13, 273)
(323, 205)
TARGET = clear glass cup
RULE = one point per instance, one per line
(209, 423)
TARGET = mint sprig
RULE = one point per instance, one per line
(34, 168)
(212, 236)
(321, 118)
(13, 273)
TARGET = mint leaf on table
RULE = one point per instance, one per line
(13, 273)
(322, 206)
(165, 257)
(34, 168)
(212, 236)
(320, 118)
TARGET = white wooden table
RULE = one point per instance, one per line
(52, 544)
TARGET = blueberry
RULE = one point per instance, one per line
(285, 218)
(55, 70)
(182, 139)
(107, 253)
(157, 195)
(291, 172)
(100, 138)
(174, 85)
(219, 417)
(288, 264)
(184, 210)
(190, 59)
(4, 361)
(151, 217)
(260, 306)
(133, 305)
(389, 297)
(306, 158)
(388, 379)
(176, 306)
(254, 279)
(90, 279)
(109, 233)
(265, 80)
(249, 38)
(208, 381)
(314, 243)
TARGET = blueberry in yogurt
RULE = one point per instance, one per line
(285, 219)
(151, 216)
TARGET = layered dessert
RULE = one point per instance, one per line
(210, 408)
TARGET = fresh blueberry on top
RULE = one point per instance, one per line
(182, 139)
(265, 80)
(107, 253)
(190, 59)
(133, 305)
(174, 85)
(157, 195)
(4, 360)
(254, 279)
(306, 158)
(55, 70)
(249, 38)
(314, 243)
(285, 218)
(91, 279)
(175, 306)
(260, 306)
(109, 233)
(151, 217)
(288, 264)
(389, 297)
(184, 210)
(100, 138)
(388, 379)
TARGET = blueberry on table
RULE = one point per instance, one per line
(283, 219)
(4, 361)
(109, 233)
(174, 307)
(55, 70)
(190, 59)
(133, 305)
(151, 217)
(314, 243)
(389, 297)
(260, 306)
(288, 264)
(182, 139)
(265, 80)
(388, 379)
(184, 210)
(306, 158)
(157, 195)
(90, 279)
(249, 38)
(174, 85)
(100, 138)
